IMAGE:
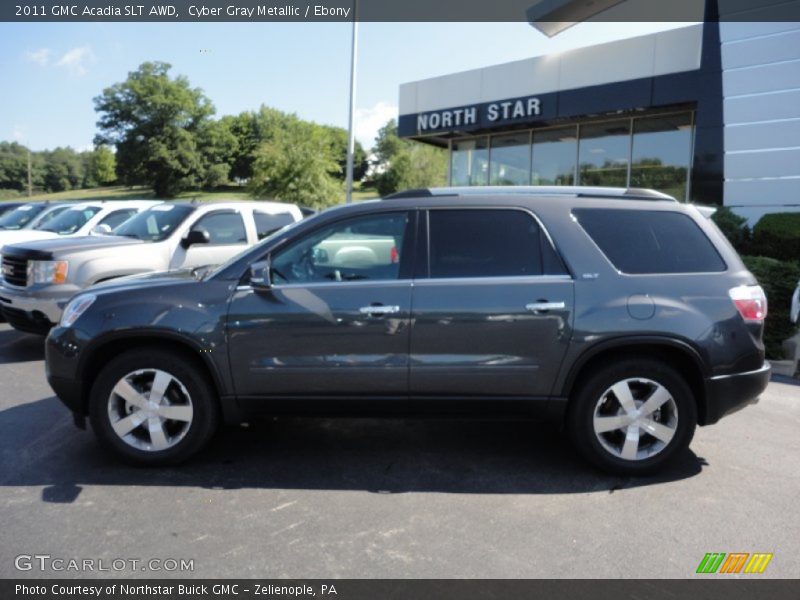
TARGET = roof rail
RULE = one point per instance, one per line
(535, 190)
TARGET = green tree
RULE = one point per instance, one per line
(13, 166)
(63, 170)
(218, 147)
(153, 120)
(404, 164)
(100, 167)
(295, 165)
(338, 140)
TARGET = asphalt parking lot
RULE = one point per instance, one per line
(395, 498)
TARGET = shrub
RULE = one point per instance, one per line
(734, 227)
(777, 235)
(778, 278)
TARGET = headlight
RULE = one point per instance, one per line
(76, 307)
(48, 271)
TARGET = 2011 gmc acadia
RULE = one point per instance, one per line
(622, 313)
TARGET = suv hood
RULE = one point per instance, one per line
(16, 236)
(137, 282)
(61, 246)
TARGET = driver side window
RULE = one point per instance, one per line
(359, 249)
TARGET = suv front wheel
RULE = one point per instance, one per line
(632, 417)
(152, 407)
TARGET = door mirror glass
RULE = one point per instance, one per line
(260, 277)
(195, 236)
(102, 229)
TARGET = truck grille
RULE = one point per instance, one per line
(15, 271)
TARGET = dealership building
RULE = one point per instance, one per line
(709, 113)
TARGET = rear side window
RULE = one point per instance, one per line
(267, 224)
(646, 241)
(489, 243)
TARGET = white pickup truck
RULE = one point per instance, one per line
(40, 277)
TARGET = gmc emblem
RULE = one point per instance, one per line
(8, 270)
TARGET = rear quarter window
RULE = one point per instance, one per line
(640, 242)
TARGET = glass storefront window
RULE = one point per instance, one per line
(658, 149)
(662, 148)
(604, 153)
(510, 159)
(469, 163)
(554, 154)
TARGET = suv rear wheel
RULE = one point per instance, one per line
(152, 407)
(633, 416)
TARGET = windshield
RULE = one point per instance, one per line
(71, 220)
(155, 224)
(21, 217)
(45, 218)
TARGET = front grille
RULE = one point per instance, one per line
(15, 270)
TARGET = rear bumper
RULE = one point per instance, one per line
(726, 394)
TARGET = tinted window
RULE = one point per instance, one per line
(639, 241)
(488, 243)
(357, 249)
(117, 218)
(224, 228)
(267, 224)
(21, 217)
(71, 220)
(45, 218)
(155, 224)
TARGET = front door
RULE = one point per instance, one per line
(336, 320)
(492, 310)
(227, 237)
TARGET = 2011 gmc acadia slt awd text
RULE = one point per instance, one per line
(624, 314)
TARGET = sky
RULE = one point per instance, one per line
(51, 71)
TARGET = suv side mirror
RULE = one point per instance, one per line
(102, 229)
(260, 275)
(195, 236)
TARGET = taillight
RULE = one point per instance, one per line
(750, 301)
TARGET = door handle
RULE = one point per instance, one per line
(379, 310)
(544, 306)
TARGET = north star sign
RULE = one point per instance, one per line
(508, 110)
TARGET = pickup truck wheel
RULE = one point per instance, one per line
(153, 408)
(632, 417)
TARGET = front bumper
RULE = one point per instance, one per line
(61, 351)
(726, 394)
(35, 309)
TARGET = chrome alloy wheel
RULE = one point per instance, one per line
(635, 419)
(150, 410)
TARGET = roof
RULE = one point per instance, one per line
(537, 190)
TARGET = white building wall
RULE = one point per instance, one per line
(660, 53)
(761, 109)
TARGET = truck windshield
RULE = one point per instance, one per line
(21, 217)
(155, 224)
(70, 221)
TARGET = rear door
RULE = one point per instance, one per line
(492, 308)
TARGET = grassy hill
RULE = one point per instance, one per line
(143, 193)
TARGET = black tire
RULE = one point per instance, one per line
(204, 402)
(586, 397)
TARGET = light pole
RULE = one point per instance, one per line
(350, 135)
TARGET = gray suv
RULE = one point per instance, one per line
(622, 314)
